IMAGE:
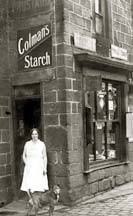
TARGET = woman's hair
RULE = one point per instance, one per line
(34, 129)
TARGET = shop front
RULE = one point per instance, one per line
(105, 104)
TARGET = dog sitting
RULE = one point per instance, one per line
(38, 199)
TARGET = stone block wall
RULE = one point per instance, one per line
(101, 180)
(62, 113)
(109, 177)
(25, 14)
(63, 133)
(5, 144)
(122, 25)
(4, 39)
(131, 158)
(5, 108)
(78, 17)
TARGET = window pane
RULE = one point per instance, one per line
(100, 141)
(112, 139)
(101, 103)
(91, 101)
(105, 131)
(97, 148)
(103, 148)
(112, 102)
(99, 24)
(98, 6)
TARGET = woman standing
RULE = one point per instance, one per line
(35, 160)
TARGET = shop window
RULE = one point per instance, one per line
(103, 121)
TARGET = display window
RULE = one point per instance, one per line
(103, 115)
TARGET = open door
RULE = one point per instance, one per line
(27, 115)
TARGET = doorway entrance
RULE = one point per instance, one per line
(27, 116)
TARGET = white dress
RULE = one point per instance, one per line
(33, 177)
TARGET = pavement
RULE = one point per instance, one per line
(116, 202)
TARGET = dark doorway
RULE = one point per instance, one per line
(27, 116)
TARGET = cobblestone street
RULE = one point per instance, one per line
(117, 202)
(119, 206)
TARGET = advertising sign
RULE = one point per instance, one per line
(34, 46)
(85, 42)
(119, 53)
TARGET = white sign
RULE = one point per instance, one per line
(119, 53)
(84, 42)
(111, 105)
(129, 125)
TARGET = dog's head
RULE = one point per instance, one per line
(56, 191)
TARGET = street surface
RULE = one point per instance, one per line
(120, 206)
(117, 202)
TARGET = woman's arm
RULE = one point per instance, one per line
(45, 159)
(24, 155)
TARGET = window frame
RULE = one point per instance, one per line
(121, 145)
(105, 15)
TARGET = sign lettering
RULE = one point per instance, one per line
(34, 47)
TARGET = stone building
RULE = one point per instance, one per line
(66, 68)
